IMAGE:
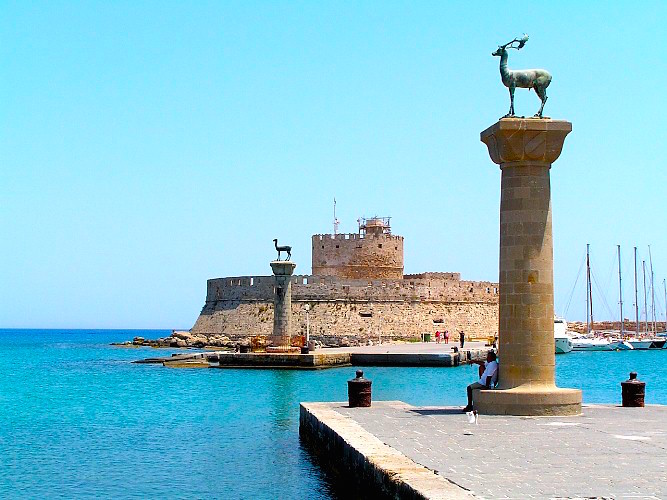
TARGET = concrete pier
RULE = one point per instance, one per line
(403, 451)
(525, 150)
(406, 355)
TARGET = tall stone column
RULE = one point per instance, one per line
(525, 150)
(282, 304)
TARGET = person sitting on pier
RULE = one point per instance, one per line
(488, 376)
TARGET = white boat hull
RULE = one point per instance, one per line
(621, 345)
(640, 344)
(563, 345)
(562, 340)
(591, 345)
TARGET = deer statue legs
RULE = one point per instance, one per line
(542, 94)
(511, 111)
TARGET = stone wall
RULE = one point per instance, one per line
(357, 309)
(372, 256)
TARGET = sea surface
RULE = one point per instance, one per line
(78, 419)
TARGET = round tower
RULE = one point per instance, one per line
(372, 253)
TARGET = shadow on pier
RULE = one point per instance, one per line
(436, 411)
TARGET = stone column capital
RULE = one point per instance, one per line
(525, 140)
(283, 267)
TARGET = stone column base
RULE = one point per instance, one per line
(539, 401)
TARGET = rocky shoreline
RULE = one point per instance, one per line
(182, 339)
(186, 339)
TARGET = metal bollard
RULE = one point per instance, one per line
(633, 391)
(359, 391)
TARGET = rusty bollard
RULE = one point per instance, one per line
(359, 391)
(633, 391)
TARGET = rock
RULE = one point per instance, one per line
(181, 335)
(181, 343)
(138, 340)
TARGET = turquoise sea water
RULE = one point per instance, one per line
(78, 419)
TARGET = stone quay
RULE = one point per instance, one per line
(396, 450)
(525, 150)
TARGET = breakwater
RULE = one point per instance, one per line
(319, 359)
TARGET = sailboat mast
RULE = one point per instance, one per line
(664, 284)
(589, 305)
(650, 258)
(620, 290)
(636, 302)
(645, 307)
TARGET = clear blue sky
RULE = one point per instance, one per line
(148, 146)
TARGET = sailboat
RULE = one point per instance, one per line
(638, 341)
(620, 344)
(588, 343)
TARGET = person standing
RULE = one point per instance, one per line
(462, 338)
(437, 337)
(446, 336)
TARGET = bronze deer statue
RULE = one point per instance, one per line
(537, 79)
(284, 248)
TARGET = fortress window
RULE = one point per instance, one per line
(379, 245)
(322, 247)
(252, 281)
(337, 246)
(395, 248)
(305, 281)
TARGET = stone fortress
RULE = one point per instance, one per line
(357, 292)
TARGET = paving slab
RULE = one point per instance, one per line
(607, 452)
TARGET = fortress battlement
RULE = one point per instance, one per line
(432, 287)
(356, 236)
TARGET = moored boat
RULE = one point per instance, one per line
(562, 340)
(591, 344)
(658, 343)
(621, 345)
(640, 344)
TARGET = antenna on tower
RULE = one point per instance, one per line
(336, 222)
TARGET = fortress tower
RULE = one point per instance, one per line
(373, 253)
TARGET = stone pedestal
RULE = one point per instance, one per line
(525, 150)
(282, 304)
